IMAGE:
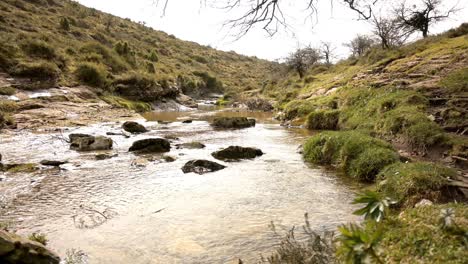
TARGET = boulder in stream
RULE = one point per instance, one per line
(15, 249)
(134, 127)
(202, 166)
(85, 142)
(233, 122)
(54, 163)
(191, 145)
(233, 153)
(188, 121)
(151, 145)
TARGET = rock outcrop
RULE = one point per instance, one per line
(134, 127)
(233, 122)
(85, 142)
(202, 166)
(233, 153)
(15, 249)
(151, 145)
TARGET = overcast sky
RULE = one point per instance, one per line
(188, 20)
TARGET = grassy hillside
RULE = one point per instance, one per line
(400, 121)
(415, 96)
(60, 42)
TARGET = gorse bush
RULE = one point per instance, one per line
(153, 56)
(38, 71)
(38, 49)
(64, 24)
(91, 74)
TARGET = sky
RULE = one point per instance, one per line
(203, 23)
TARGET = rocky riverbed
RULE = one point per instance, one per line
(119, 206)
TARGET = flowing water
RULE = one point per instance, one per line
(117, 212)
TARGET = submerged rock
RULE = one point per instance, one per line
(104, 156)
(191, 145)
(84, 142)
(134, 127)
(188, 121)
(54, 163)
(151, 145)
(237, 153)
(20, 167)
(15, 249)
(202, 166)
(233, 122)
(168, 158)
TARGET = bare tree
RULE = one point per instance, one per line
(420, 18)
(327, 49)
(388, 30)
(269, 13)
(360, 44)
(302, 59)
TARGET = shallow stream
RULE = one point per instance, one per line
(117, 212)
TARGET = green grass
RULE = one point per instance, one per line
(417, 236)
(323, 120)
(456, 81)
(118, 101)
(67, 34)
(410, 182)
(358, 154)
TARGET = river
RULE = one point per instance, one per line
(154, 213)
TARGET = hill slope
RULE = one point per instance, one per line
(62, 43)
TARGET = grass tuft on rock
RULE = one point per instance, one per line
(359, 155)
(323, 120)
(118, 101)
(408, 183)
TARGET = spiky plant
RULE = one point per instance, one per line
(357, 245)
(375, 207)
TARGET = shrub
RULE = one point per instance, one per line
(323, 119)
(211, 83)
(64, 24)
(8, 54)
(410, 182)
(91, 74)
(37, 71)
(38, 49)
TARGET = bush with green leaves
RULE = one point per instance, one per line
(91, 74)
(376, 205)
(358, 245)
(109, 57)
(153, 56)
